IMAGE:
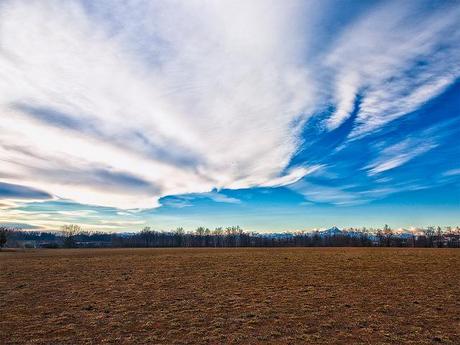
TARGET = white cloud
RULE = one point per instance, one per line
(120, 103)
(347, 87)
(398, 154)
(398, 57)
(327, 194)
(219, 197)
(292, 176)
(174, 97)
(79, 213)
(452, 172)
(181, 201)
(177, 203)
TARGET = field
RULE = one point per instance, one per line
(230, 296)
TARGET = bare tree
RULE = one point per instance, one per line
(439, 237)
(234, 236)
(3, 236)
(69, 232)
(388, 233)
(429, 234)
(147, 236)
(217, 235)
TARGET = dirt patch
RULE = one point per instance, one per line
(230, 296)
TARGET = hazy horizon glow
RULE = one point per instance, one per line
(270, 115)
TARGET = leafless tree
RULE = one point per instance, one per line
(388, 233)
(3, 236)
(439, 237)
(69, 232)
(429, 234)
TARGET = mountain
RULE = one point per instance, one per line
(334, 231)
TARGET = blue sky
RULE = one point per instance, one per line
(270, 115)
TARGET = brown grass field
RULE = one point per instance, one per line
(230, 296)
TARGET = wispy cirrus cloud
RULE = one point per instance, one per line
(398, 154)
(452, 172)
(186, 200)
(170, 95)
(319, 193)
(121, 103)
(398, 56)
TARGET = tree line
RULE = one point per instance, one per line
(73, 236)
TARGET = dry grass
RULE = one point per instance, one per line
(230, 296)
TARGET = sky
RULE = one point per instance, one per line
(272, 115)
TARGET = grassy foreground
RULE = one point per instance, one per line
(230, 296)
